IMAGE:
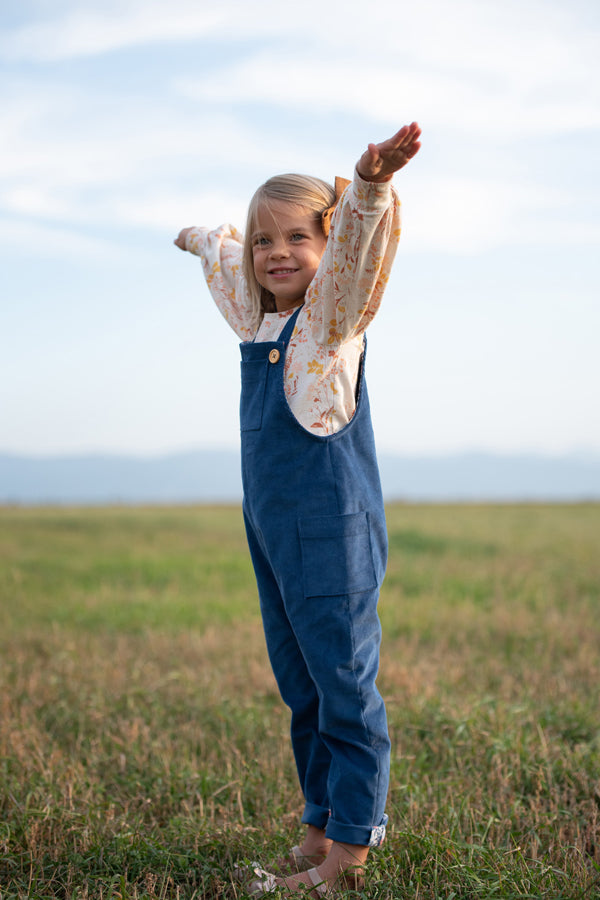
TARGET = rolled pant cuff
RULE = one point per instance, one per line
(318, 816)
(357, 834)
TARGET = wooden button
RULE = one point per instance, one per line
(274, 356)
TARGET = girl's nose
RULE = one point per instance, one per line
(279, 248)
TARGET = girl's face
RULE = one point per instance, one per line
(287, 246)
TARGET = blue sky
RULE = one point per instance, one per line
(124, 121)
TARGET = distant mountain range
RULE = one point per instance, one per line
(213, 476)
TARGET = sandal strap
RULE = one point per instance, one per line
(320, 884)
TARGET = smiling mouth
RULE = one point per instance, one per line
(282, 272)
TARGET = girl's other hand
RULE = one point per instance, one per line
(181, 238)
(379, 162)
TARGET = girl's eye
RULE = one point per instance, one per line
(298, 236)
(261, 241)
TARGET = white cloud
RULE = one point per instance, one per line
(152, 171)
(77, 154)
(92, 29)
(178, 209)
(36, 240)
(79, 146)
(498, 101)
(467, 215)
(522, 40)
(66, 157)
(29, 200)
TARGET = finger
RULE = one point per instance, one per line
(408, 132)
(401, 134)
(395, 141)
(374, 153)
(370, 161)
(415, 131)
(403, 138)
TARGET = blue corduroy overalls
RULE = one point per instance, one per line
(315, 522)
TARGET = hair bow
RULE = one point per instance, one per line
(340, 186)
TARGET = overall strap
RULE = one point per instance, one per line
(289, 327)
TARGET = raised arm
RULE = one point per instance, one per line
(221, 251)
(348, 287)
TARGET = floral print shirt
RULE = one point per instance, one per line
(324, 352)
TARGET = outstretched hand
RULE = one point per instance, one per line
(180, 239)
(380, 161)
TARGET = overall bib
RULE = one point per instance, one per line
(315, 523)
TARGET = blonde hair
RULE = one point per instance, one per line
(304, 191)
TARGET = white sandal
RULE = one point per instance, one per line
(321, 887)
(266, 883)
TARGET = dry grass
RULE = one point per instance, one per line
(144, 748)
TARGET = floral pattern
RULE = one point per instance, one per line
(324, 352)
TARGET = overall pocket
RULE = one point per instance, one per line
(254, 382)
(337, 556)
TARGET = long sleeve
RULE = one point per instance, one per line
(325, 350)
(347, 289)
(221, 253)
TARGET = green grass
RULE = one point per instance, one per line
(144, 748)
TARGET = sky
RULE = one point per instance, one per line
(124, 121)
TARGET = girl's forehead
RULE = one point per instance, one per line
(281, 214)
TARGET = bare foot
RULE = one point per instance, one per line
(315, 847)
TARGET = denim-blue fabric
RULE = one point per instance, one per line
(315, 522)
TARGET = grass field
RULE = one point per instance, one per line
(144, 748)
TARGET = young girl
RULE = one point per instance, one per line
(300, 290)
